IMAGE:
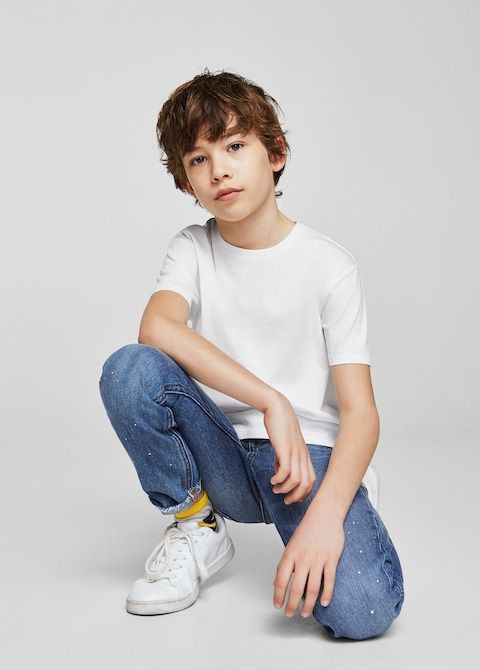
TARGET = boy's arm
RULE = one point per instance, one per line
(206, 363)
(164, 326)
(355, 444)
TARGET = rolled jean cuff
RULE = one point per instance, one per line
(194, 494)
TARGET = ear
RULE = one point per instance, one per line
(278, 163)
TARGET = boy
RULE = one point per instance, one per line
(263, 410)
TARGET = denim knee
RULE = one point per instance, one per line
(375, 618)
(122, 373)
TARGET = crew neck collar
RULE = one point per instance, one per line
(254, 253)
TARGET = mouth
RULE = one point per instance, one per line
(228, 196)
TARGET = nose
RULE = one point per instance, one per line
(219, 170)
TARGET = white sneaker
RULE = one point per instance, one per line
(371, 481)
(188, 555)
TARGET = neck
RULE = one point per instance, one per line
(256, 234)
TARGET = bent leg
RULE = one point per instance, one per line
(368, 592)
(178, 439)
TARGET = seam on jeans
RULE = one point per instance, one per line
(370, 509)
(189, 395)
(160, 398)
(399, 604)
(167, 388)
(184, 451)
(251, 455)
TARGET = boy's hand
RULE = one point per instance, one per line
(293, 467)
(314, 550)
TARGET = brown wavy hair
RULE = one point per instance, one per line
(211, 100)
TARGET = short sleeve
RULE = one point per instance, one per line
(179, 271)
(344, 320)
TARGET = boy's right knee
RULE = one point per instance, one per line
(131, 364)
(119, 360)
(125, 364)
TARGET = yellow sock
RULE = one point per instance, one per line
(197, 506)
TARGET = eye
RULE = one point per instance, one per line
(235, 144)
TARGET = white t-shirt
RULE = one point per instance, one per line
(286, 313)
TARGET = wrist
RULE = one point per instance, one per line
(324, 507)
(273, 398)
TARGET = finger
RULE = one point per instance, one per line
(303, 489)
(313, 589)
(296, 590)
(307, 479)
(284, 572)
(328, 582)
(312, 475)
(311, 470)
(283, 469)
(276, 466)
(293, 476)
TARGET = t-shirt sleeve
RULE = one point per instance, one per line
(179, 271)
(344, 319)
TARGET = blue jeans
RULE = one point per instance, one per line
(180, 441)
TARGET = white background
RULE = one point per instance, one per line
(380, 100)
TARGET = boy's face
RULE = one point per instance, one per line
(238, 161)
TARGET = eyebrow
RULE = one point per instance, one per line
(229, 133)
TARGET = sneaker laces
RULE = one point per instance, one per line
(176, 538)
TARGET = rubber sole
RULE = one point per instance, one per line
(160, 607)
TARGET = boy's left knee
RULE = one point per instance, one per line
(347, 621)
(358, 629)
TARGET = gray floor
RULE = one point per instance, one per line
(78, 530)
